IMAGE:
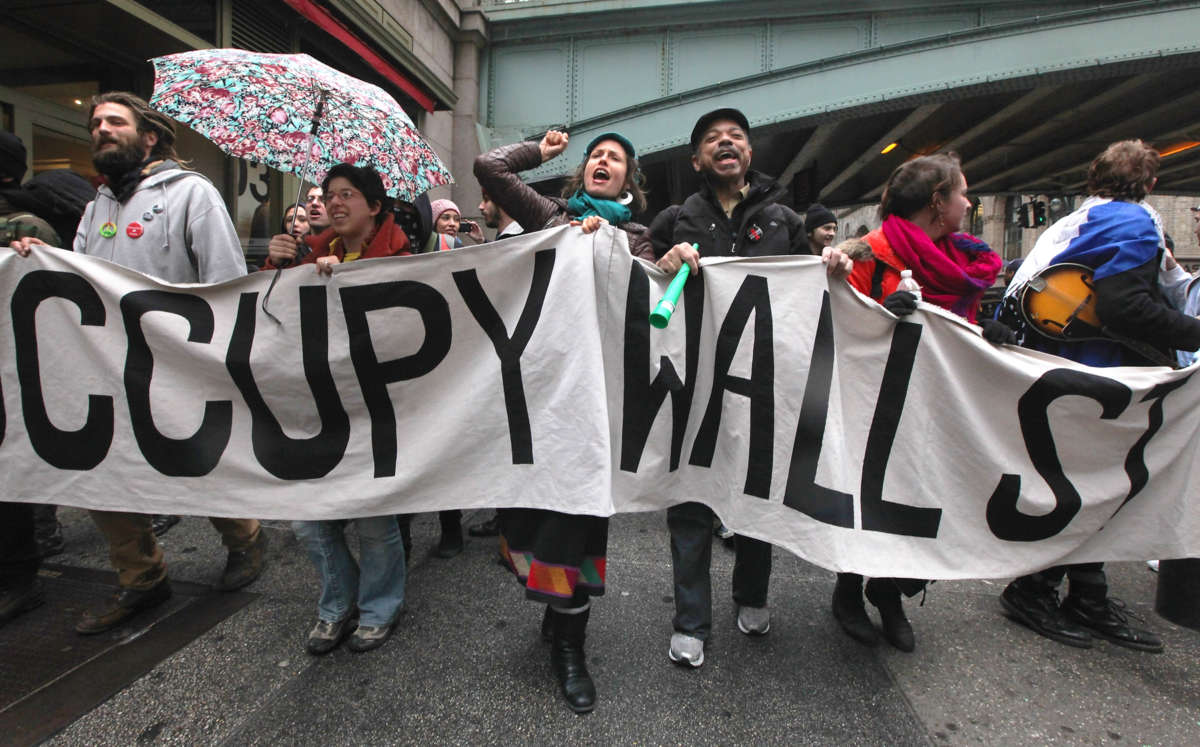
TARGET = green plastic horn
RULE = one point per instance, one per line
(666, 307)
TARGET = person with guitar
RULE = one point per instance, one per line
(1091, 291)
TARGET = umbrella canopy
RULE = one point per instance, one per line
(295, 114)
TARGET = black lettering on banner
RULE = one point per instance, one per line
(1135, 460)
(375, 375)
(509, 349)
(1003, 517)
(283, 456)
(879, 515)
(199, 453)
(81, 449)
(752, 298)
(643, 398)
(802, 491)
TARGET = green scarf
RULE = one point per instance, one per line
(581, 205)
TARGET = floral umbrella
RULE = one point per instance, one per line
(295, 114)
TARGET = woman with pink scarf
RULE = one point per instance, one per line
(923, 207)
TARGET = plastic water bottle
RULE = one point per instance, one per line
(908, 284)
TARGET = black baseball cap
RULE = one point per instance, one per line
(702, 124)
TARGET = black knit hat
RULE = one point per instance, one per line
(12, 156)
(817, 216)
(702, 124)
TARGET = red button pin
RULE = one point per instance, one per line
(134, 230)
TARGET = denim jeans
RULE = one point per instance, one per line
(375, 583)
(691, 526)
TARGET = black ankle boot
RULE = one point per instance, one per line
(884, 594)
(451, 542)
(569, 662)
(849, 610)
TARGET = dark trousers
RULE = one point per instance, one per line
(691, 526)
(19, 556)
(1087, 580)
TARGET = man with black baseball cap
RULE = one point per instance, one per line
(736, 212)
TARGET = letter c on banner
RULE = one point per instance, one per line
(82, 449)
(1003, 517)
(199, 453)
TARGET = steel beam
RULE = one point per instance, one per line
(807, 155)
(1109, 134)
(915, 119)
(1048, 50)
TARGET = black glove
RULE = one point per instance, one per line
(998, 333)
(901, 303)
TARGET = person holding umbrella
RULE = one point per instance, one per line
(540, 545)
(362, 226)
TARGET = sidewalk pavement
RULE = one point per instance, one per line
(467, 666)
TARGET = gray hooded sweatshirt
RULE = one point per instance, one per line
(174, 227)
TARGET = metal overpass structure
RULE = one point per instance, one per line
(1026, 93)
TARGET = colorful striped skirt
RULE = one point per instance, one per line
(554, 555)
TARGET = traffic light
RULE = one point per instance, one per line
(1039, 213)
(1033, 214)
(1026, 215)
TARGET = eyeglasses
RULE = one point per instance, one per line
(344, 195)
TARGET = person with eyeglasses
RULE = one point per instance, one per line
(362, 226)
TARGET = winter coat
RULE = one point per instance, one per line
(1190, 292)
(174, 227)
(877, 276)
(1122, 244)
(389, 240)
(497, 172)
(760, 225)
(17, 223)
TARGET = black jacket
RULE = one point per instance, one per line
(760, 225)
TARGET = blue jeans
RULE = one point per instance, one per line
(376, 585)
(691, 526)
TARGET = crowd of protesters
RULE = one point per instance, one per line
(737, 211)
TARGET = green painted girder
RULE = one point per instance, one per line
(1015, 54)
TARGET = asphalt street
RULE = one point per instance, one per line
(467, 666)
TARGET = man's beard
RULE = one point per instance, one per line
(118, 161)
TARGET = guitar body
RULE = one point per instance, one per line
(1060, 303)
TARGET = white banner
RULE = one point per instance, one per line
(525, 373)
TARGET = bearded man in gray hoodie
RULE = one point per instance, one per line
(155, 217)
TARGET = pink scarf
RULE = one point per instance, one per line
(953, 273)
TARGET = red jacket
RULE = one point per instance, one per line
(389, 241)
(879, 276)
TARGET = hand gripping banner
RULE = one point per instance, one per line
(526, 373)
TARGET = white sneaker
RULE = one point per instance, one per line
(754, 620)
(1152, 565)
(686, 649)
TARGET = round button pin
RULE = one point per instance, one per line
(147, 216)
(108, 229)
(134, 230)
